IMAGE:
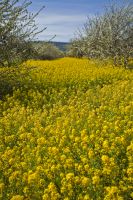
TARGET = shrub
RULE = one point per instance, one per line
(47, 51)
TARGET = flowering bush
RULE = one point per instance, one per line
(67, 133)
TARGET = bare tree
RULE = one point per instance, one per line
(17, 30)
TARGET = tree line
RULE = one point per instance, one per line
(105, 36)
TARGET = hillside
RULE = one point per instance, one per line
(61, 45)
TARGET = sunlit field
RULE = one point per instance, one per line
(66, 133)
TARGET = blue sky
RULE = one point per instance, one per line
(63, 17)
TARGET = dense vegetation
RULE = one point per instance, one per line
(66, 132)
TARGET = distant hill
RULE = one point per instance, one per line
(61, 45)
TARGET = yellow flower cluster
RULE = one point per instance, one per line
(67, 133)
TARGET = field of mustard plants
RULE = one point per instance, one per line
(66, 133)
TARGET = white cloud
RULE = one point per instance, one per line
(63, 26)
(53, 19)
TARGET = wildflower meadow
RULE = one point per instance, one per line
(66, 133)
